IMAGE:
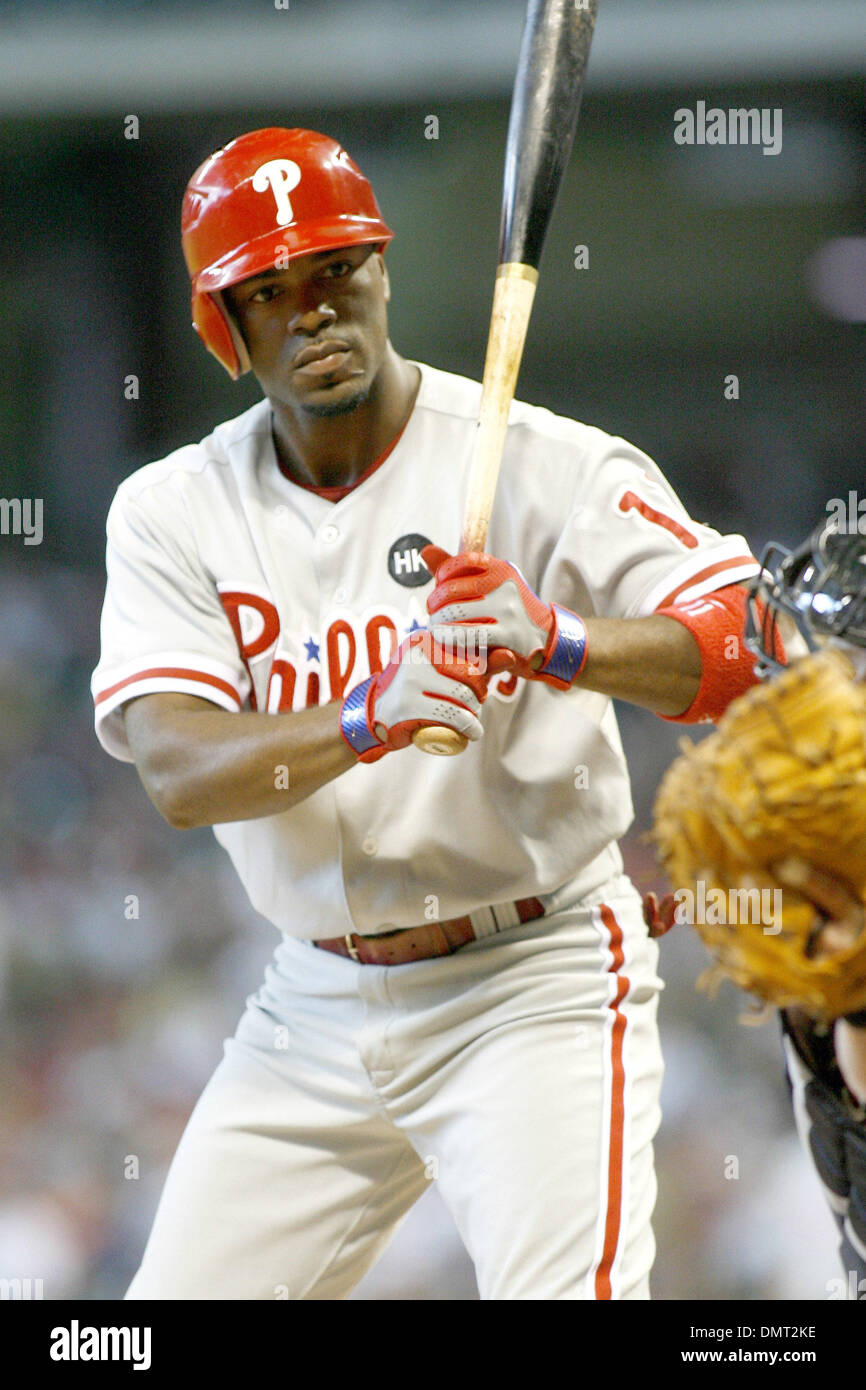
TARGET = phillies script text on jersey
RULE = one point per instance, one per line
(298, 669)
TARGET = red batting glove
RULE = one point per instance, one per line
(490, 603)
(422, 685)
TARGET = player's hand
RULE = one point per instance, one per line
(840, 917)
(423, 685)
(491, 604)
(659, 915)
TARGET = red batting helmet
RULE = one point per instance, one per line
(264, 199)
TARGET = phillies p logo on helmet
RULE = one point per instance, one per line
(281, 176)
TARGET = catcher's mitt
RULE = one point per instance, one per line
(783, 776)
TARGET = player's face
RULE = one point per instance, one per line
(316, 331)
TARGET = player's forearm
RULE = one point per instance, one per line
(206, 767)
(654, 662)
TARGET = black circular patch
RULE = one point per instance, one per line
(405, 563)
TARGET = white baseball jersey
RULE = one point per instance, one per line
(229, 581)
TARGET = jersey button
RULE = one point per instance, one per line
(329, 534)
(370, 845)
(340, 596)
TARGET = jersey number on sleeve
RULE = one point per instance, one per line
(631, 502)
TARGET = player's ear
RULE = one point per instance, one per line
(385, 277)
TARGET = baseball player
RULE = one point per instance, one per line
(819, 589)
(464, 990)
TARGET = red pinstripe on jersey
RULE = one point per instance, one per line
(613, 1217)
(169, 673)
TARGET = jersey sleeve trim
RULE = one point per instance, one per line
(167, 677)
(695, 578)
(167, 671)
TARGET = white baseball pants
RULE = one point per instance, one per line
(521, 1074)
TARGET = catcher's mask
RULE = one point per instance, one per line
(821, 586)
(268, 197)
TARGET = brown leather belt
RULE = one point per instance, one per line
(420, 943)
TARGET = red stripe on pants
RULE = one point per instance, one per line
(613, 1217)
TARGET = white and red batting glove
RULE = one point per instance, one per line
(423, 685)
(491, 604)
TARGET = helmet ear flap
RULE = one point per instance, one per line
(219, 333)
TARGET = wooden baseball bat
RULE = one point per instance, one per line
(545, 104)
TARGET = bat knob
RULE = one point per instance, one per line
(439, 740)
